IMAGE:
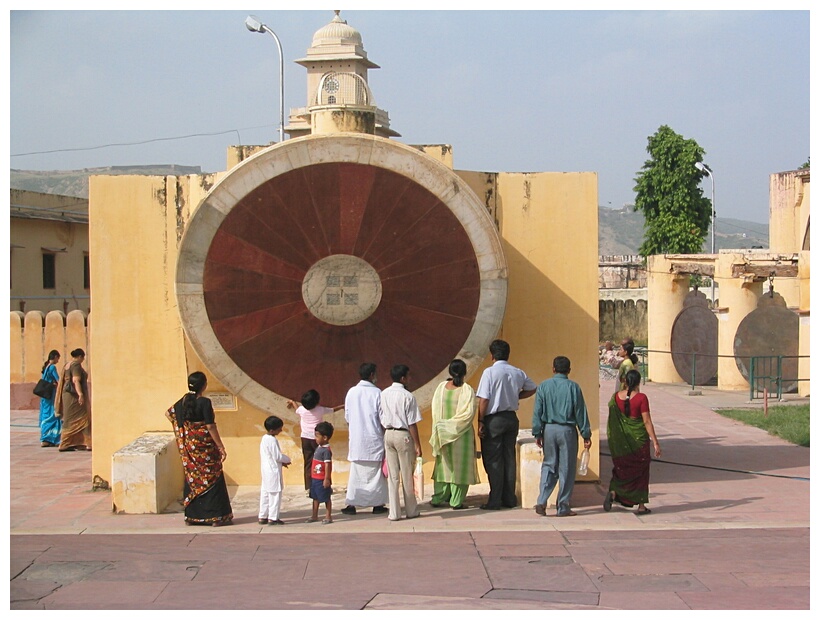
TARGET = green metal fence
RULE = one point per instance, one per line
(766, 375)
(765, 372)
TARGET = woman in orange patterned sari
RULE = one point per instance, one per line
(202, 451)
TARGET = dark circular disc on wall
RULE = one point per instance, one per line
(694, 342)
(769, 331)
(324, 252)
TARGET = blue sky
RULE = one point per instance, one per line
(518, 91)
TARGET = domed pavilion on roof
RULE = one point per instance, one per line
(338, 96)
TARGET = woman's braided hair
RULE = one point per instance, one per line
(196, 383)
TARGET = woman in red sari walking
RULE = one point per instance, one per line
(629, 431)
(202, 451)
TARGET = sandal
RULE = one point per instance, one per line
(311, 520)
(608, 501)
(326, 521)
(644, 511)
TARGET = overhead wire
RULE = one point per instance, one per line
(141, 142)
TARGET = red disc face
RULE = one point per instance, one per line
(327, 266)
(321, 253)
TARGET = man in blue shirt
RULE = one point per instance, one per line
(502, 385)
(559, 410)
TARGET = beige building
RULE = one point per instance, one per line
(744, 279)
(49, 252)
(222, 273)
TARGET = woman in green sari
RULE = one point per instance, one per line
(629, 430)
(452, 439)
(628, 363)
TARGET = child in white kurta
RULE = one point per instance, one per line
(270, 496)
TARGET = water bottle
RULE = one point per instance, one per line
(584, 464)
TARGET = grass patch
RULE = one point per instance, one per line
(789, 422)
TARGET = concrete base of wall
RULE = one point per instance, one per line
(146, 475)
(530, 458)
(22, 398)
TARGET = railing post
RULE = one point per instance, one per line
(693, 371)
(779, 377)
(751, 378)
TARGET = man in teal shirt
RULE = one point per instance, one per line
(559, 410)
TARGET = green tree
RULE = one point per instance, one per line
(806, 165)
(668, 193)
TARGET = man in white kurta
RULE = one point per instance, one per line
(272, 458)
(366, 484)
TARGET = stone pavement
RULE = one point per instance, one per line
(729, 529)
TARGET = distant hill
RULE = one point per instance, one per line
(620, 231)
(75, 182)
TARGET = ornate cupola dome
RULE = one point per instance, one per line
(338, 96)
(337, 32)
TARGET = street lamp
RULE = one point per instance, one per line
(704, 168)
(253, 24)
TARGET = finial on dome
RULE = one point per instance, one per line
(337, 18)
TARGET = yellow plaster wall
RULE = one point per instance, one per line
(142, 359)
(549, 227)
(789, 209)
(135, 223)
(30, 236)
(804, 345)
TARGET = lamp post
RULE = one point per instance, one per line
(704, 168)
(253, 24)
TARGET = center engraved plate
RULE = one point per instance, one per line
(342, 289)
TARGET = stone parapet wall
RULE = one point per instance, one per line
(621, 272)
(622, 316)
(31, 336)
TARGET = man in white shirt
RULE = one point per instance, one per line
(399, 416)
(502, 385)
(366, 485)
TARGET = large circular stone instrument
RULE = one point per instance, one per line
(694, 340)
(771, 334)
(323, 252)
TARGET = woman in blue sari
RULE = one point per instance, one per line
(50, 423)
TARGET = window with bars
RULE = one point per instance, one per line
(49, 270)
(86, 273)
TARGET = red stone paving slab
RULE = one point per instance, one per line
(748, 555)
(147, 570)
(555, 574)
(649, 582)
(95, 595)
(533, 550)
(456, 577)
(757, 598)
(27, 594)
(483, 538)
(626, 537)
(230, 571)
(388, 602)
(719, 581)
(773, 579)
(589, 555)
(263, 594)
(570, 598)
(642, 600)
